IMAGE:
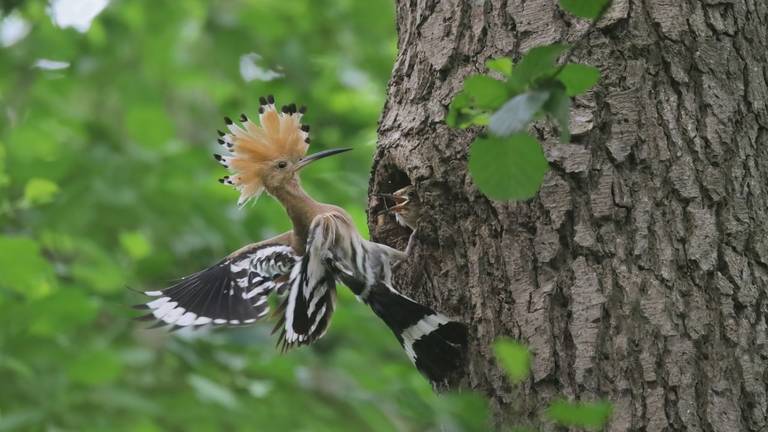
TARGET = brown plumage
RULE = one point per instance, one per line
(255, 148)
(407, 208)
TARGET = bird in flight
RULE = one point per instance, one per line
(301, 266)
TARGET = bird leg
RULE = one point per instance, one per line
(411, 241)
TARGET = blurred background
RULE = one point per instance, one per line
(108, 118)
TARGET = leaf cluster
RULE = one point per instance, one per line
(506, 162)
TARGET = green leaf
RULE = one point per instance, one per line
(485, 92)
(460, 101)
(589, 9)
(95, 367)
(136, 244)
(23, 267)
(476, 119)
(580, 414)
(517, 113)
(578, 78)
(515, 357)
(558, 106)
(462, 113)
(537, 62)
(507, 168)
(39, 191)
(502, 65)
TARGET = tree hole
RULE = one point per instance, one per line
(384, 228)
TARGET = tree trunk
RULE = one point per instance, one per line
(639, 273)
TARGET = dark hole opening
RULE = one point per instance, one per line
(382, 224)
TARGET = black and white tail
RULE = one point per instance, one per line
(435, 343)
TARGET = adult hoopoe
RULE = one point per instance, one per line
(304, 264)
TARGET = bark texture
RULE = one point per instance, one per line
(640, 272)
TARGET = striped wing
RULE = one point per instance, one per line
(232, 292)
(306, 311)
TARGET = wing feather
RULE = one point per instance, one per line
(232, 292)
(306, 312)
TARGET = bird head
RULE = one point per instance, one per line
(268, 155)
(401, 197)
(402, 200)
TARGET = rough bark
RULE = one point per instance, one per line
(640, 272)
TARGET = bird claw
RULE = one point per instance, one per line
(407, 252)
(411, 241)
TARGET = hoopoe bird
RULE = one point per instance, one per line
(407, 210)
(304, 264)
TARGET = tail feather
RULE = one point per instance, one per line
(435, 343)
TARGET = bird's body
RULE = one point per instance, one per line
(302, 264)
(407, 211)
(407, 208)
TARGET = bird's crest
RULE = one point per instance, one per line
(278, 135)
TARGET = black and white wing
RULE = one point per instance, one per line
(232, 292)
(306, 311)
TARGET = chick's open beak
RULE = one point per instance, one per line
(400, 203)
(319, 155)
(398, 199)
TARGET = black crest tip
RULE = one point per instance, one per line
(302, 109)
(228, 121)
(217, 156)
(305, 128)
(262, 100)
(271, 99)
(221, 134)
(243, 118)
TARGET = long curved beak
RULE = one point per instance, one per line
(319, 155)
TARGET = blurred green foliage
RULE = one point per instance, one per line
(107, 182)
(514, 357)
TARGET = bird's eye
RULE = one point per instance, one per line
(282, 164)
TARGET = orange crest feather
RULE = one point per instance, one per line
(278, 136)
